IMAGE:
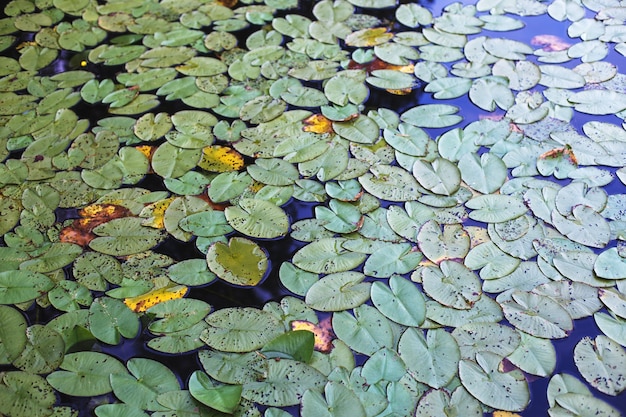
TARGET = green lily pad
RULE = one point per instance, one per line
(240, 329)
(432, 360)
(13, 338)
(24, 394)
(110, 319)
(366, 332)
(257, 218)
(401, 301)
(326, 256)
(240, 262)
(125, 236)
(338, 401)
(85, 374)
(21, 286)
(224, 398)
(537, 315)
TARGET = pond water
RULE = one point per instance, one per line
(385, 213)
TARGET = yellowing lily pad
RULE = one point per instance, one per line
(240, 262)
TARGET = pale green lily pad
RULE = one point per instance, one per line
(452, 284)
(432, 115)
(486, 337)
(534, 355)
(537, 315)
(436, 402)
(390, 183)
(495, 208)
(437, 243)
(110, 320)
(366, 332)
(240, 262)
(338, 401)
(392, 259)
(401, 301)
(285, 383)
(432, 360)
(257, 218)
(338, 292)
(326, 256)
(600, 361)
(501, 390)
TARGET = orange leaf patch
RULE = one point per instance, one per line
(323, 333)
(80, 231)
(318, 123)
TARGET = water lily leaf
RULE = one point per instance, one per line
(451, 243)
(13, 338)
(495, 208)
(273, 171)
(326, 256)
(534, 355)
(43, 352)
(219, 158)
(485, 173)
(582, 404)
(599, 361)
(560, 77)
(432, 360)
(579, 299)
(474, 338)
(21, 286)
(439, 176)
(436, 402)
(285, 383)
(439, 53)
(240, 329)
(34, 58)
(432, 115)
(295, 344)
(586, 226)
(228, 185)
(338, 401)
(338, 291)
(180, 341)
(224, 398)
(138, 103)
(491, 92)
(339, 217)
(391, 79)
(210, 223)
(360, 130)
(598, 101)
(390, 183)
(491, 260)
(241, 262)
(501, 390)
(125, 236)
(69, 295)
(201, 67)
(392, 259)
(347, 87)
(449, 87)
(170, 161)
(401, 301)
(369, 37)
(452, 284)
(610, 265)
(110, 319)
(537, 315)
(143, 302)
(85, 374)
(23, 394)
(119, 409)
(257, 218)
(413, 15)
(366, 332)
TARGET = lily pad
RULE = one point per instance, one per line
(240, 262)
(85, 374)
(257, 218)
(339, 291)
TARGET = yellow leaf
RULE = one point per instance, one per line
(155, 213)
(318, 123)
(368, 37)
(323, 333)
(143, 302)
(217, 158)
(505, 414)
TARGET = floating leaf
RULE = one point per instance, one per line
(23, 394)
(85, 374)
(401, 301)
(339, 291)
(432, 115)
(296, 345)
(257, 218)
(145, 301)
(219, 158)
(501, 390)
(224, 398)
(537, 315)
(338, 401)
(240, 262)
(110, 319)
(452, 284)
(366, 332)
(495, 208)
(21, 286)
(240, 329)
(432, 360)
(600, 362)
(326, 256)
(125, 236)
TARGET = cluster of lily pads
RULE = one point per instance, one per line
(441, 259)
